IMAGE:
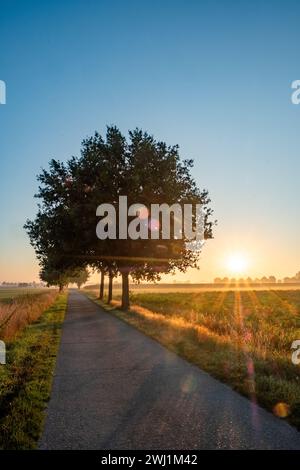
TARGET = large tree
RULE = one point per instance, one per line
(155, 174)
(143, 169)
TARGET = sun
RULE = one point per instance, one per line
(237, 263)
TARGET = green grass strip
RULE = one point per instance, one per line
(25, 381)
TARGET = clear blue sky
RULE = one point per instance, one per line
(212, 76)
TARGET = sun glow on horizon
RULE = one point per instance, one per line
(237, 263)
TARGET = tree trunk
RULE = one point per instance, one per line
(125, 291)
(101, 292)
(61, 287)
(110, 287)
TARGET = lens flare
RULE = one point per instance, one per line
(282, 410)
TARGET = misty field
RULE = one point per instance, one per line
(7, 295)
(242, 338)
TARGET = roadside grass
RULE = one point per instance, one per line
(242, 339)
(25, 381)
(22, 310)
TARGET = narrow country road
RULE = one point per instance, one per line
(115, 388)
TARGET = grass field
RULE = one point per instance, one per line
(242, 338)
(23, 309)
(7, 295)
(185, 288)
(25, 380)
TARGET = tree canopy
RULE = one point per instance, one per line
(145, 170)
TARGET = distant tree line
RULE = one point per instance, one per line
(262, 280)
(19, 284)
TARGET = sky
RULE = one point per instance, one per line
(212, 76)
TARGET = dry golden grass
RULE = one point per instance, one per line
(22, 310)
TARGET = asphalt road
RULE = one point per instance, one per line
(115, 388)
